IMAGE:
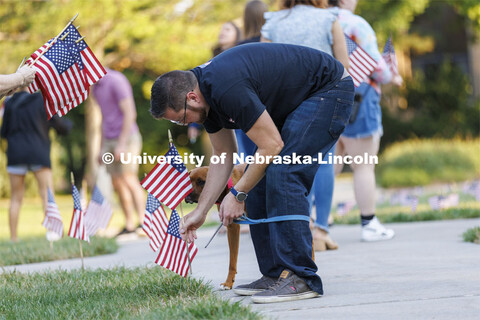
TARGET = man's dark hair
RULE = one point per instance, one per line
(170, 90)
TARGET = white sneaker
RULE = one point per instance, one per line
(375, 231)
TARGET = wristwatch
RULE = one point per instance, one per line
(239, 195)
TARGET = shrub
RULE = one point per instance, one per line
(472, 235)
(420, 162)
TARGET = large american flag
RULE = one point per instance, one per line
(93, 69)
(390, 57)
(61, 97)
(59, 77)
(173, 254)
(77, 225)
(53, 219)
(361, 64)
(155, 222)
(169, 182)
(98, 213)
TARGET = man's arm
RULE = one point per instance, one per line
(265, 135)
(222, 141)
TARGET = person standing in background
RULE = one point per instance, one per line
(253, 20)
(364, 133)
(309, 23)
(25, 127)
(120, 134)
(228, 37)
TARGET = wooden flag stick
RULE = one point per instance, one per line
(55, 39)
(170, 141)
(186, 243)
(79, 241)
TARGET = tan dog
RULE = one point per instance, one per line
(198, 176)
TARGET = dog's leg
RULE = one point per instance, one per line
(233, 234)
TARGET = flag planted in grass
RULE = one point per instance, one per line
(174, 253)
(169, 182)
(53, 220)
(77, 225)
(155, 222)
(98, 213)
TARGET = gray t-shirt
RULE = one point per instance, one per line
(301, 25)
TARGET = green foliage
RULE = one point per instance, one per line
(420, 162)
(37, 249)
(112, 294)
(441, 100)
(472, 235)
(440, 104)
(389, 17)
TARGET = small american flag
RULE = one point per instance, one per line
(169, 182)
(361, 64)
(390, 57)
(53, 219)
(77, 225)
(173, 254)
(434, 202)
(59, 78)
(155, 222)
(98, 213)
(413, 203)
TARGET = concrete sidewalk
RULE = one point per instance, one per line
(425, 272)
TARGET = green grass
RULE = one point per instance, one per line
(472, 235)
(37, 249)
(145, 293)
(422, 162)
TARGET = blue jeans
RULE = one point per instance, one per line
(313, 127)
(322, 190)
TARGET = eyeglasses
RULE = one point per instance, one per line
(184, 115)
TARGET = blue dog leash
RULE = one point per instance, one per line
(246, 220)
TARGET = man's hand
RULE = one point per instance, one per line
(190, 224)
(230, 209)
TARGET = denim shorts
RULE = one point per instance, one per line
(369, 117)
(22, 169)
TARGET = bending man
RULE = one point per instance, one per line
(288, 100)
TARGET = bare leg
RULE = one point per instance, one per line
(137, 192)
(363, 174)
(44, 181)
(17, 187)
(125, 200)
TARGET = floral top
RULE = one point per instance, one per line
(362, 33)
